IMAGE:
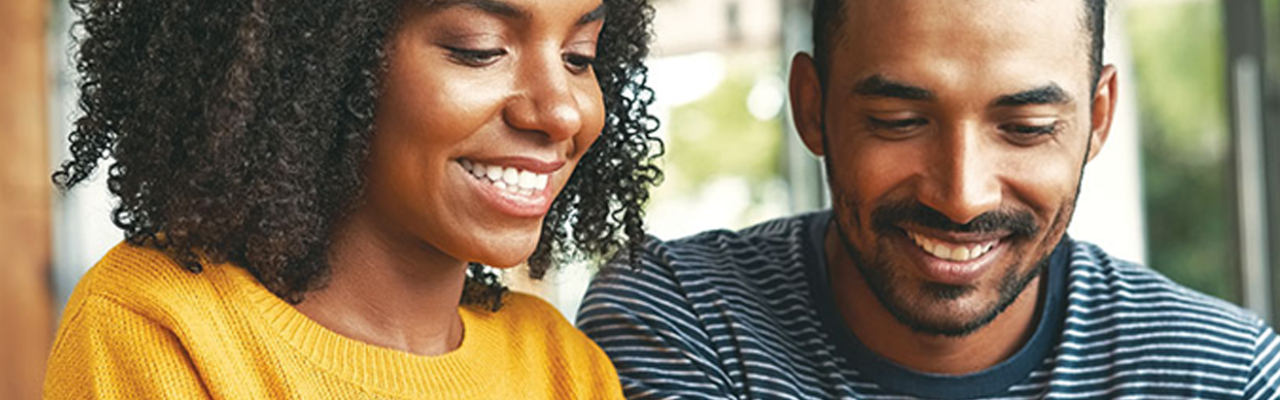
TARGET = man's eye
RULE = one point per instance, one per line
(475, 57)
(905, 124)
(1030, 130)
(579, 63)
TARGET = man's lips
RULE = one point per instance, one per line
(953, 250)
(955, 258)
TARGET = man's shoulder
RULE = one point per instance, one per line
(754, 267)
(760, 255)
(1106, 290)
(697, 310)
(777, 238)
(741, 266)
(1142, 328)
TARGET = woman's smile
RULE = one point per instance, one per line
(517, 186)
(482, 119)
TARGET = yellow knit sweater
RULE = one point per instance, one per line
(140, 327)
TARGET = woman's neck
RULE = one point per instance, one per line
(389, 291)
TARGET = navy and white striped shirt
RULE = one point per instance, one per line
(748, 315)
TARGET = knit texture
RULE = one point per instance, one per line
(139, 326)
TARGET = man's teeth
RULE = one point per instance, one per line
(950, 252)
(512, 180)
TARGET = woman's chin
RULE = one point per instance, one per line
(505, 257)
(505, 264)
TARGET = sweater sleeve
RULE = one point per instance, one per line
(107, 351)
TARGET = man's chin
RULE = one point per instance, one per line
(931, 308)
(946, 293)
(946, 317)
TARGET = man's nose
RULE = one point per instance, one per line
(963, 181)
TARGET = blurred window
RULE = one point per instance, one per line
(1271, 107)
(1178, 55)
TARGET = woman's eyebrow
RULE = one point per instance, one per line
(496, 7)
(511, 11)
(593, 16)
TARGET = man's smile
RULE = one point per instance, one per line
(947, 250)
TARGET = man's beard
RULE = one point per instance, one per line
(885, 221)
(882, 277)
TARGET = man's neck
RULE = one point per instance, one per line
(401, 296)
(883, 334)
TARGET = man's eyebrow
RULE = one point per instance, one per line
(880, 86)
(593, 16)
(1047, 94)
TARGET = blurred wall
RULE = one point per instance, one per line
(1109, 209)
(24, 199)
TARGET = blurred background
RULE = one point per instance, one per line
(1189, 182)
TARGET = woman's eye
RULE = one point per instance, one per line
(475, 57)
(579, 63)
(900, 125)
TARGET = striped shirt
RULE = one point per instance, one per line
(749, 315)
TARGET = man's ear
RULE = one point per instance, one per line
(806, 102)
(1102, 110)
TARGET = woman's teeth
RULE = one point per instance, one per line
(950, 252)
(509, 179)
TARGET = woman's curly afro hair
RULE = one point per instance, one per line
(239, 129)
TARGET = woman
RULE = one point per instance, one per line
(308, 187)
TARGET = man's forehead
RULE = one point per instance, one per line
(869, 16)
(931, 42)
(986, 6)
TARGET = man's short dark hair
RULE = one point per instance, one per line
(828, 17)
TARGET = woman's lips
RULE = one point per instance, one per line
(514, 191)
(507, 178)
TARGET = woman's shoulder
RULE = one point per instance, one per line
(144, 280)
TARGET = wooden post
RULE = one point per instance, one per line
(24, 199)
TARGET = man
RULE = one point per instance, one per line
(955, 135)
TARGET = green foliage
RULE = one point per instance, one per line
(1178, 51)
(717, 136)
(1271, 22)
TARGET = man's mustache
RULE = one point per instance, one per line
(893, 216)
